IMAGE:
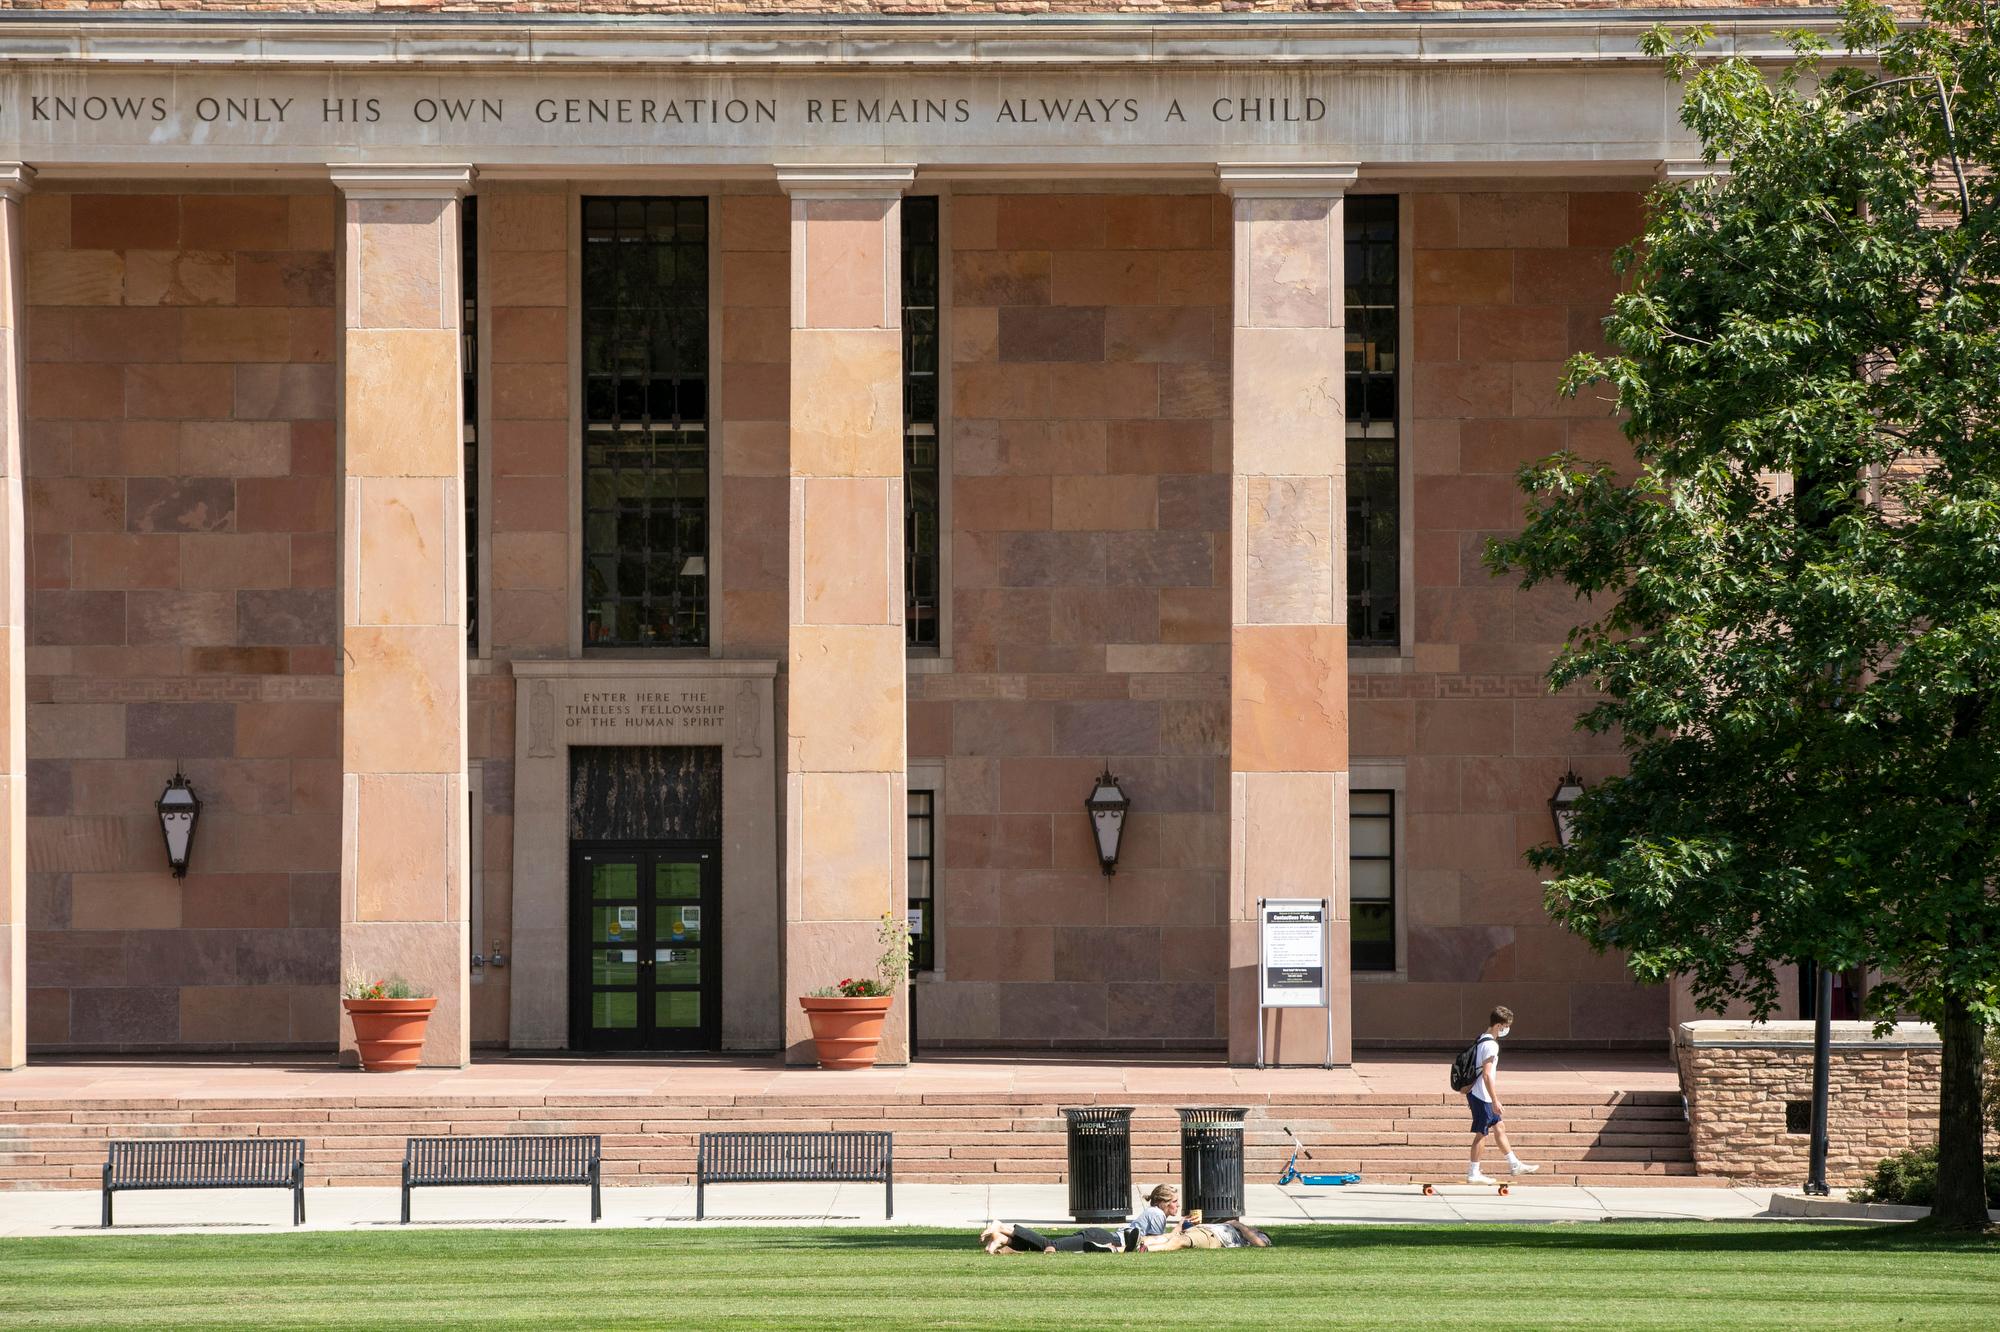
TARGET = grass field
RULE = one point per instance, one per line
(1680, 1275)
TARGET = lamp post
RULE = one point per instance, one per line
(1107, 804)
(1562, 806)
(1822, 1075)
(178, 807)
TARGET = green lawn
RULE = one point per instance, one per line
(1680, 1275)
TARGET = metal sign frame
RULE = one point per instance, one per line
(1325, 908)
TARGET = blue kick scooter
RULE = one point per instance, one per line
(1310, 1181)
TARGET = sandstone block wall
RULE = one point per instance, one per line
(1506, 285)
(180, 528)
(1882, 1098)
(751, 430)
(1089, 621)
(525, 431)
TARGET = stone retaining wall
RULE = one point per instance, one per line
(1739, 1076)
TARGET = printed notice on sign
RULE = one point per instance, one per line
(1294, 952)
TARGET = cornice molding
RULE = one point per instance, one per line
(838, 181)
(720, 42)
(1682, 172)
(16, 179)
(1287, 180)
(389, 181)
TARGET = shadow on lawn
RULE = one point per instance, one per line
(1682, 1238)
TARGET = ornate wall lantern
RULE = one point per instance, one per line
(178, 808)
(1562, 806)
(1107, 805)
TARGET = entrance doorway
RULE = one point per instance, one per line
(645, 951)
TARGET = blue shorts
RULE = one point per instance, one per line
(1484, 1117)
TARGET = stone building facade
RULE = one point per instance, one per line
(597, 533)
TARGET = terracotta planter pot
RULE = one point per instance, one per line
(389, 1032)
(846, 1032)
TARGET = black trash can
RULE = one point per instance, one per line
(1212, 1161)
(1100, 1163)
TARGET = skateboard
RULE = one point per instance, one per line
(1430, 1190)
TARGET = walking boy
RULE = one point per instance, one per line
(1483, 1098)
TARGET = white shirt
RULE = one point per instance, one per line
(1489, 1050)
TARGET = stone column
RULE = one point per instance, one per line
(402, 562)
(846, 754)
(14, 179)
(1288, 586)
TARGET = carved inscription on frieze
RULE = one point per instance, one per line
(593, 712)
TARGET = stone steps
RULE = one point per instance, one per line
(1632, 1138)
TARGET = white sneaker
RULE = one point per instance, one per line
(1522, 1168)
(1480, 1177)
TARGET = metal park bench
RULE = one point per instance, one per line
(853, 1156)
(207, 1163)
(517, 1159)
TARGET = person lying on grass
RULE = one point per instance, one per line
(1199, 1234)
(1163, 1203)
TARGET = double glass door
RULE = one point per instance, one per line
(644, 962)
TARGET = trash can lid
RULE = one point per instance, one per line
(1212, 1114)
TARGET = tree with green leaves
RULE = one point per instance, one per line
(1795, 585)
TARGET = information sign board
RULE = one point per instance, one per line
(1294, 952)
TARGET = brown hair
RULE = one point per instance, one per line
(1163, 1193)
(1501, 1016)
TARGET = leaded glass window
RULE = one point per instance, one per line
(1374, 486)
(468, 282)
(645, 422)
(920, 422)
(1371, 880)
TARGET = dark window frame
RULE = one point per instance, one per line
(923, 946)
(468, 281)
(1371, 959)
(1373, 339)
(922, 247)
(647, 422)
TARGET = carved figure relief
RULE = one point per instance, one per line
(541, 721)
(749, 722)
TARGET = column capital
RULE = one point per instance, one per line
(867, 180)
(16, 178)
(426, 180)
(1686, 171)
(1287, 180)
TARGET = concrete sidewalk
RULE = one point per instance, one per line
(959, 1207)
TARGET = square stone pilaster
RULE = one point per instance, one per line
(846, 750)
(402, 561)
(1288, 587)
(14, 179)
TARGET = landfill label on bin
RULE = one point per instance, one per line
(1294, 952)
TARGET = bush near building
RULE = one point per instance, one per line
(1910, 1180)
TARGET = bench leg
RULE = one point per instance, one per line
(107, 1207)
(888, 1197)
(596, 1200)
(406, 1204)
(700, 1185)
(299, 1203)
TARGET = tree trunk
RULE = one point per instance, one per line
(1961, 1184)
